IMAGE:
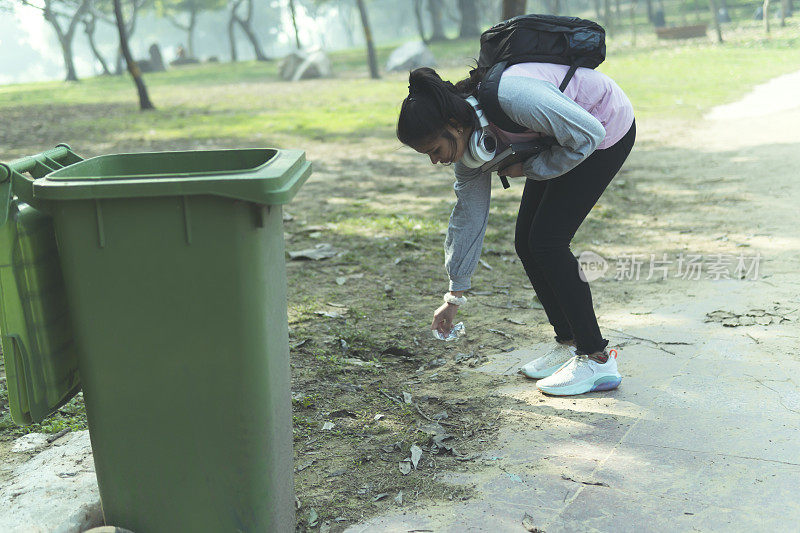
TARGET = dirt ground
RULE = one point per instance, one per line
(372, 388)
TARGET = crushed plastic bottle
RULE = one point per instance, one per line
(455, 333)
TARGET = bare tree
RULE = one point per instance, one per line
(435, 8)
(144, 100)
(89, 25)
(371, 56)
(294, 23)
(420, 23)
(231, 30)
(60, 12)
(712, 5)
(246, 23)
(183, 14)
(513, 8)
(469, 26)
(104, 10)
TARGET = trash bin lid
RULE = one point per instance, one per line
(261, 175)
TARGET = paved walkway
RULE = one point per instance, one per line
(704, 433)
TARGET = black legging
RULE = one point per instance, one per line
(549, 215)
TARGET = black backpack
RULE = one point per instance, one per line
(535, 38)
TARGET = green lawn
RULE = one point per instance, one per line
(247, 100)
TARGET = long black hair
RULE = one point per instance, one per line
(433, 104)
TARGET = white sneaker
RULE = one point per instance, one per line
(549, 362)
(582, 374)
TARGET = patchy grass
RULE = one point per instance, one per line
(245, 102)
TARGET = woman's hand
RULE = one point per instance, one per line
(443, 318)
(513, 171)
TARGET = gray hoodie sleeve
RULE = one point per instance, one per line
(462, 246)
(540, 106)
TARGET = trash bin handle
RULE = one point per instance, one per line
(13, 180)
(33, 379)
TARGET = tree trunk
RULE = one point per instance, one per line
(247, 26)
(766, 16)
(372, 58)
(232, 33)
(649, 10)
(65, 37)
(634, 5)
(294, 23)
(130, 28)
(133, 68)
(69, 64)
(190, 33)
(598, 13)
(435, 10)
(607, 16)
(469, 19)
(513, 8)
(89, 27)
(253, 38)
(420, 23)
(712, 5)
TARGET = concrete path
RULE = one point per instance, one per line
(704, 432)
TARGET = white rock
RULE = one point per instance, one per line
(29, 443)
(409, 56)
(54, 492)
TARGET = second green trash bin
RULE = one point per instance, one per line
(174, 270)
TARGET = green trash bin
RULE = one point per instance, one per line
(173, 265)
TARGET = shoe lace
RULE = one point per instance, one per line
(557, 352)
(576, 361)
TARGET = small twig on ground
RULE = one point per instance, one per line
(429, 419)
(426, 417)
(598, 483)
(507, 306)
(53, 438)
(389, 396)
(756, 340)
(502, 333)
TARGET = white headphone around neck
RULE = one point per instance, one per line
(482, 144)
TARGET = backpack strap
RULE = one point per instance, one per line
(487, 96)
(571, 72)
(490, 102)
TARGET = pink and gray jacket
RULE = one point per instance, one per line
(592, 114)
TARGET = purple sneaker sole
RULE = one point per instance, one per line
(607, 383)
